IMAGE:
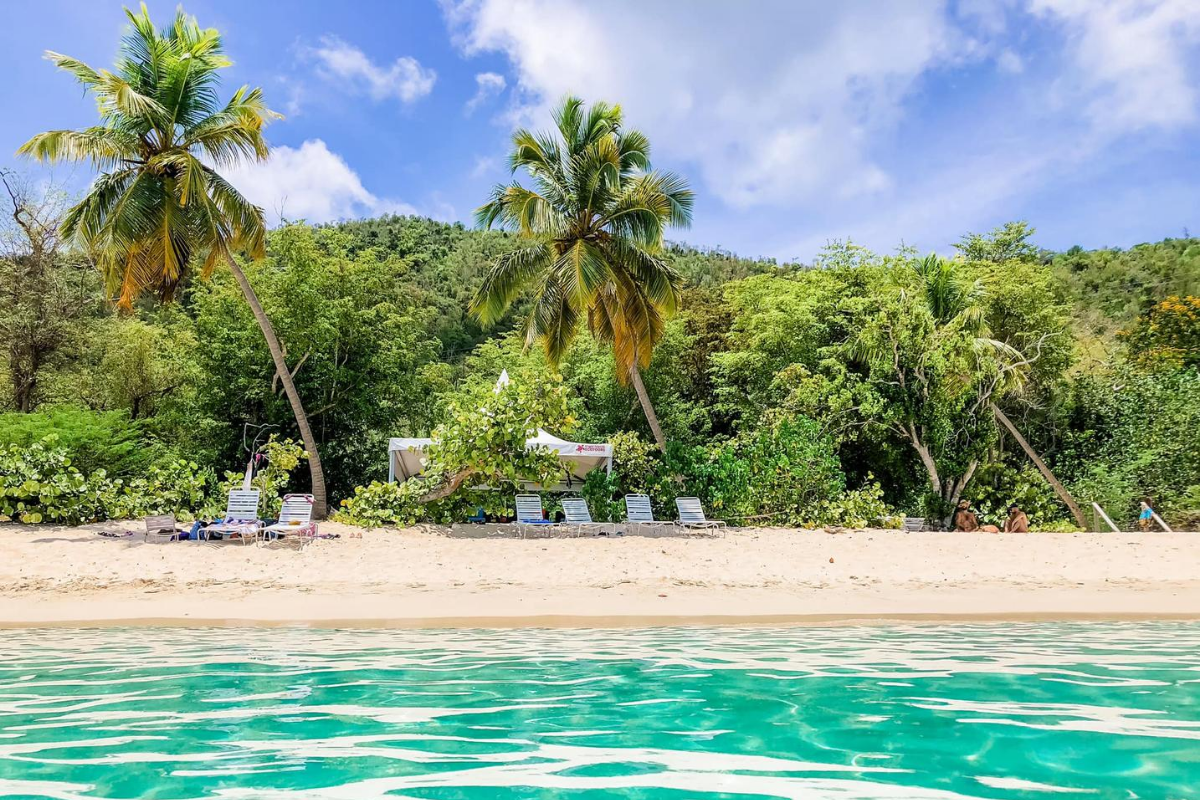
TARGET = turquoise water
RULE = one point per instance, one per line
(951, 711)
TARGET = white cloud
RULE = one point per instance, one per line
(312, 183)
(1132, 60)
(294, 94)
(484, 165)
(775, 106)
(488, 85)
(1010, 62)
(405, 79)
(802, 117)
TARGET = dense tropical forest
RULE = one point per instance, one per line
(149, 321)
(785, 391)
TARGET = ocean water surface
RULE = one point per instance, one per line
(924, 711)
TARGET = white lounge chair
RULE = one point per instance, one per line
(579, 517)
(691, 515)
(639, 514)
(161, 528)
(295, 522)
(530, 514)
(241, 516)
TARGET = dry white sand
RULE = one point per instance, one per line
(54, 575)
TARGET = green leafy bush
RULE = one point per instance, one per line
(860, 508)
(1131, 436)
(178, 487)
(784, 471)
(481, 444)
(383, 504)
(997, 486)
(39, 484)
(638, 468)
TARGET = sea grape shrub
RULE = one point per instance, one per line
(999, 485)
(482, 440)
(860, 508)
(380, 504)
(638, 468)
(39, 484)
(178, 487)
(784, 472)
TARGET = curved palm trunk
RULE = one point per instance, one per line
(1061, 490)
(635, 377)
(289, 388)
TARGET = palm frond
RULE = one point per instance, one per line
(660, 283)
(106, 148)
(582, 270)
(82, 72)
(507, 278)
(554, 320)
(568, 118)
(235, 132)
(244, 220)
(635, 152)
(85, 220)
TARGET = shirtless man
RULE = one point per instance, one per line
(964, 518)
(1017, 522)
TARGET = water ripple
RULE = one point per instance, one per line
(937, 712)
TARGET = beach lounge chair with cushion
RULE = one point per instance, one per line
(531, 516)
(241, 517)
(579, 517)
(161, 529)
(691, 515)
(639, 514)
(295, 522)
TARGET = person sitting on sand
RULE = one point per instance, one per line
(1145, 515)
(964, 518)
(1017, 522)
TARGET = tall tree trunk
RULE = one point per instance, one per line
(1061, 490)
(289, 388)
(955, 488)
(935, 480)
(635, 377)
(950, 489)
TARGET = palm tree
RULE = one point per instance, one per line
(159, 204)
(591, 232)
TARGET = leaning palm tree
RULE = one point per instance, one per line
(159, 205)
(591, 231)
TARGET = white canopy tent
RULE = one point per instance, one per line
(406, 458)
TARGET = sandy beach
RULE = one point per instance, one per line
(424, 576)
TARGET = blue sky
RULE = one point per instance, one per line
(797, 122)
